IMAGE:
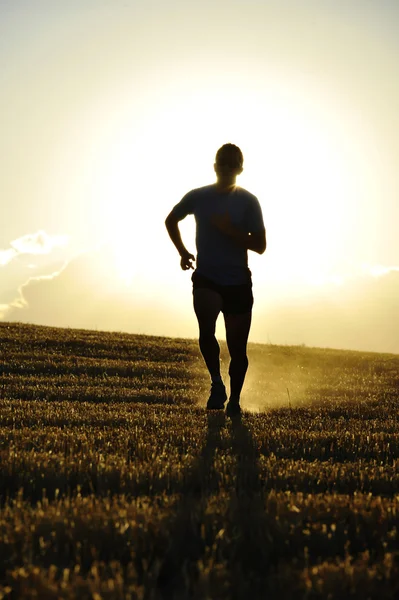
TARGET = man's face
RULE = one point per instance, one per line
(227, 167)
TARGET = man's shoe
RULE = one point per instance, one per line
(233, 408)
(217, 398)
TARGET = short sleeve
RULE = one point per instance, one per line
(254, 216)
(184, 207)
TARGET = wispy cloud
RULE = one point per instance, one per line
(379, 270)
(339, 279)
(32, 244)
(20, 301)
(6, 256)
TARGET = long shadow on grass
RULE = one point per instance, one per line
(186, 544)
(246, 548)
(248, 525)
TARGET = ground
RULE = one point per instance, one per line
(116, 483)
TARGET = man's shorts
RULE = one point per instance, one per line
(237, 299)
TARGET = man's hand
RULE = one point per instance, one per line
(172, 225)
(185, 261)
(223, 223)
(254, 241)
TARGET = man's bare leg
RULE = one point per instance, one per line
(237, 331)
(207, 306)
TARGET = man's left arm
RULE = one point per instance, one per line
(251, 241)
(255, 240)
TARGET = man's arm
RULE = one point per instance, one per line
(172, 225)
(249, 241)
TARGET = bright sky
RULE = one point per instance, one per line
(110, 111)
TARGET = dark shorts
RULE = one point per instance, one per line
(237, 299)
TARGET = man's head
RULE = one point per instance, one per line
(229, 161)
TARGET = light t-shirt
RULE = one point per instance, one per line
(218, 257)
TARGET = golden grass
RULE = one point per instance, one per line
(115, 483)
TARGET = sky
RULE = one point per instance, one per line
(110, 111)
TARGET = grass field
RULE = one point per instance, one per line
(115, 482)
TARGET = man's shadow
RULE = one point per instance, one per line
(247, 524)
(186, 544)
(248, 521)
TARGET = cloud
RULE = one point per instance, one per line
(32, 244)
(378, 270)
(39, 253)
(89, 293)
(17, 299)
(6, 256)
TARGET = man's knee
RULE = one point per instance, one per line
(237, 348)
(239, 355)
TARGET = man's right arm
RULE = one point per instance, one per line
(172, 225)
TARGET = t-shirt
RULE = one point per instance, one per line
(219, 258)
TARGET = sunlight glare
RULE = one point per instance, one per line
(292, 162)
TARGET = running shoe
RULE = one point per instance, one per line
(233, 408)
(217, 397)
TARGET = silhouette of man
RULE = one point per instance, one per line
(229, 222)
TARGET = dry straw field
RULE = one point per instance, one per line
(115, 483)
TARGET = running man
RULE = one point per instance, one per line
(229, 222)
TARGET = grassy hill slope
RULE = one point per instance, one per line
(115, 481)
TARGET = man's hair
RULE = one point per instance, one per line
(230, 155)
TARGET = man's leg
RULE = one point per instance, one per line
(237, 331)
(207, 306)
